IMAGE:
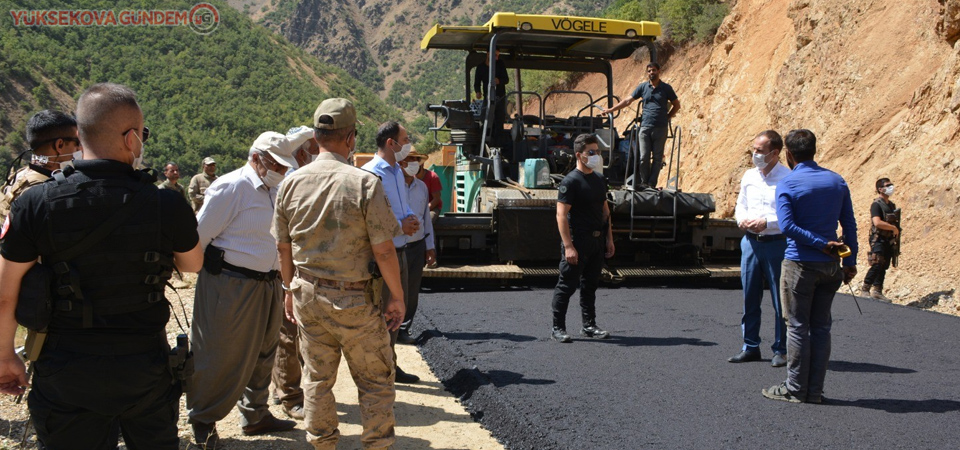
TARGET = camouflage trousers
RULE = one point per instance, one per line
(332, 321)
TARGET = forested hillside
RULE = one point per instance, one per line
(202, 95)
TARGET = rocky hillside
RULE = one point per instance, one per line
(878, 81)
(378, 41)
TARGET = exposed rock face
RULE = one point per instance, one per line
(950, 26)
(878, 81)
(330, 30)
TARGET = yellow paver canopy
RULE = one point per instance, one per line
(532, 34)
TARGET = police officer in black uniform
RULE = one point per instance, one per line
(104, 366)
(583, 217)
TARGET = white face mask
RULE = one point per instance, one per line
(760, 161)
(272, 179)
(75, 156)
(888, 190)
(412, 168)
(595, 162)
(139, 159)
(41, 160)
(404, 152)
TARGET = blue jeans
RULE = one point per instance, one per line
(760, 261)
(807, 289)
(652, 141)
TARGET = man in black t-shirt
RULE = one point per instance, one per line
(104, 366)
(583, 218)
(883, 236)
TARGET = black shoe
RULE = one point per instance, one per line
(745, 356)
(406, 378)
(594, 331)
(779, 360)
(405, 338)
(205, 435)
(268, 424)
(560, 335)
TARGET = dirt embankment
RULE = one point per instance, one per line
(878, 81)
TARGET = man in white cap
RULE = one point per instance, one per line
(305, 147)
(287, 370)
(201, 181)
(238, 304)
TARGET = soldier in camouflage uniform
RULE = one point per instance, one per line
(53, 140)
(172, 172)
(332, 222)
(201, 181)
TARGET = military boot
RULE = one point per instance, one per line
(877, 293)
(865, 290)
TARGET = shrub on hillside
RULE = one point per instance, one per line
(682, 20)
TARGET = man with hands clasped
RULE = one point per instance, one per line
(762, 247)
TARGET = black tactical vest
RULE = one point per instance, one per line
(122, 273)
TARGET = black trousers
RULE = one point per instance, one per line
(84, 401)
(416, 259)
(877, 272)
(585, 275)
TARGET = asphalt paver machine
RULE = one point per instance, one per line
(503, 225)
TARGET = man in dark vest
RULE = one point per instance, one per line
(104, 367)
(884, 230)
(52, 136)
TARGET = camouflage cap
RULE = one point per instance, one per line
(334, 114)
(208, 160)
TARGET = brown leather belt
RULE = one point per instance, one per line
(342, 285)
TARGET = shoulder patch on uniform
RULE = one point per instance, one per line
(562, 189)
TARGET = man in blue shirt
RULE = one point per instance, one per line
(393, 144)
(660, 104)
(810, 202)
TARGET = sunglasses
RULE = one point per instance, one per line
(68, 139)
(146, 133)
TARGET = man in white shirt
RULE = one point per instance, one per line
(420, 249)
(762, 247)
(393, 144)
(239, 301)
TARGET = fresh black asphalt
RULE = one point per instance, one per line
(662, 381)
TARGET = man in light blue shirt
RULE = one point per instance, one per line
(393, 144)
(810, 202)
